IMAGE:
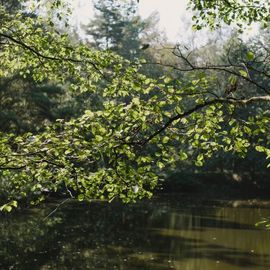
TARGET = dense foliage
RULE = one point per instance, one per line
(138, 125)
(213, 13)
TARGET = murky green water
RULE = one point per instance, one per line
(170, 232)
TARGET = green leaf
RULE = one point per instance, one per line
(243, 73)
(6, 208)
(160, 165)
(198, 163)
(165, 139)
(167, 80)
(200, 157)
(99, 138)
(80, 197)
(14, 203)
(136, 101)
(182, 155)
(250, 56)
(260, 148)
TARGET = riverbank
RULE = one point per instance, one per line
(218, 185)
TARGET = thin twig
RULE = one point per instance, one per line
(64, 201)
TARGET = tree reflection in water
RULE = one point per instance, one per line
(158, 234)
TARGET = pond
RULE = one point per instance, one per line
(167, 232)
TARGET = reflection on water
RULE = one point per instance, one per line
(166, 233)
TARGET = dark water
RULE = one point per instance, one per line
(169, 232)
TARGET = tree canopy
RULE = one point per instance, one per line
(139, 125)
(243, 13)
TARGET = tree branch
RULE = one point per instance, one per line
(201, 106)
(225, 68)
(37, 53)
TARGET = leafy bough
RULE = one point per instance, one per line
(139, 127)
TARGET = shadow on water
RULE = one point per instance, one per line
(156, 235)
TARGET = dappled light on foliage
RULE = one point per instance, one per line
(108, 127)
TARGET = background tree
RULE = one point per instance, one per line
(12, 5)
(118, 27)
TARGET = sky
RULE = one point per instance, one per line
(170, 13)
(175, 20)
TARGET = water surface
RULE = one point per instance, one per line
(169, 232)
